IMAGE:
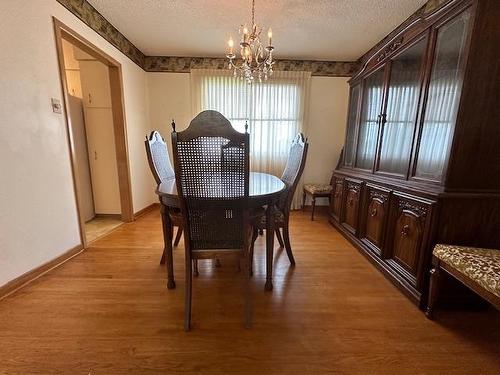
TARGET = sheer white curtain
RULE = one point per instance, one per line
(275, 110)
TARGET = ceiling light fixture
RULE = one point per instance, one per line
(257, 60)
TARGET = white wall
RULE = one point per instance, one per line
(169, 97)
(38, 218)
(327, 120)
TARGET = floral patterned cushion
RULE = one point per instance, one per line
(317, 188)
(480, 265)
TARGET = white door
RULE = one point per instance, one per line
(96, 89)
(102, 155)
(82, 172)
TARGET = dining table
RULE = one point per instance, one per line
(264, 191)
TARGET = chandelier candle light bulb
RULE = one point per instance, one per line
(257, 60)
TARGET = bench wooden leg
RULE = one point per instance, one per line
(433, 291)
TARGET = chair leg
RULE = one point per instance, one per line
(288, 247)
(188, 294)
(278, 236)
(313, 207)
(167, 255)
(195, 266)
(248, 294)
(433, 291)
(255, 234)
(178, 236)
(303, 201)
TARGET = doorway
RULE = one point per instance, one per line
(93, 100)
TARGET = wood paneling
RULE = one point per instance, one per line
(107, 311)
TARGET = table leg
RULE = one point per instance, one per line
(167, 239)
(269, 246)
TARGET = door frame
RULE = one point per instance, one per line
(119, 124)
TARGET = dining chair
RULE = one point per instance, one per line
(159, 163)
(211, 162)
(281, 212)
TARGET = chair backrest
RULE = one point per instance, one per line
(293, 170)
(211, 162)
(159, 162)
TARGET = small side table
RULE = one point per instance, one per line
(316, 191)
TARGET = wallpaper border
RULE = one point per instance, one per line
(83, 10)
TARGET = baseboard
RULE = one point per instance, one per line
(317, 210)
(109, 216)
(19, 282)
(145, 210)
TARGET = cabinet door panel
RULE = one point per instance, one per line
(368, 127)
(352, 120)
(407, 240)
(408, 230)
(375, 215)
(351, 204)
(443, 97)
(96, 89)
(336, 201)
(401, 110)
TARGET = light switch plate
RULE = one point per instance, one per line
(56, 105)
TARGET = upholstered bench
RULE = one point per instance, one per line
(316, 191)
(476, 268)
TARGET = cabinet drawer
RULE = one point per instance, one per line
(374, 217)
(336, 201)
(350, 204)
(408, 236)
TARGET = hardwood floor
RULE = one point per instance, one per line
(108, 311)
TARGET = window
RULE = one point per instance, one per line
(274, 110)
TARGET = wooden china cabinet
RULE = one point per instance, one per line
(421, 160)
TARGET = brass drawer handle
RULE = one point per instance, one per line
(406, 230)
(373, 213)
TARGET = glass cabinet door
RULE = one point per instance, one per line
(368, 126)
(443, 98)
(401, 110)
(352, 118)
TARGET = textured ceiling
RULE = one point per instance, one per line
(340, 30)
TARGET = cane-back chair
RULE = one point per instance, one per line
(211, 162)
(161, 168)
(281, 212)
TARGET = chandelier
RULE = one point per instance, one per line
(256, 60)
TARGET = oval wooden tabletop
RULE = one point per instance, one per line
(260, 185)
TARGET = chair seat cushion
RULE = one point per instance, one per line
(479, 265)
(318, 188)
(258, 217)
